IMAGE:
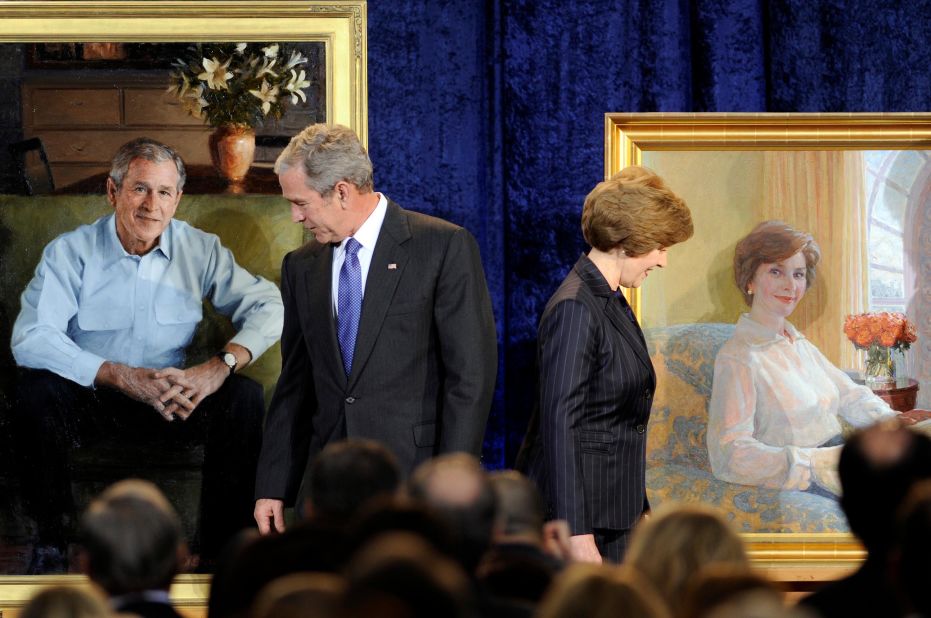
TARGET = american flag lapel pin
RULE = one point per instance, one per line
(392, 266)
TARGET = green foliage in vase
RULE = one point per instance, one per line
(240, 84)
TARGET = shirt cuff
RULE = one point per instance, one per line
(252, 341)
(85, 367)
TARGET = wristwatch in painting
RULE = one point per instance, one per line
(229, 359)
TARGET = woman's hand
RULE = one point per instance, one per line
(914, 416)
(583, 548)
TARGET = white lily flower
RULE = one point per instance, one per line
(215, 74)
(268, 95)
(295, 86)
(295, 59)
(195, 102)
(266, 68)
(271, 51)
(180, 89)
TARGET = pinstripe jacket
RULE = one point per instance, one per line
(586, 444)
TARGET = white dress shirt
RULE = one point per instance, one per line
(774, 400)
(367, 236)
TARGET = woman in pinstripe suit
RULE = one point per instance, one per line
(586, 444)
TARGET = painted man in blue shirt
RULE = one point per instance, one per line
(100, 341)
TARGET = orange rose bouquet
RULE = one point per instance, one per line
(880, 334)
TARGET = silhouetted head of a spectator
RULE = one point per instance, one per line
(519, 508)
(459, 490)
(399, 575)
(914, 531)
(132, 539)
(347, 474)
(877, 467)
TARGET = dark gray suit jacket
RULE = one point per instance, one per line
(586, 444)
(425, 361)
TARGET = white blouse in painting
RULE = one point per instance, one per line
(775, 401)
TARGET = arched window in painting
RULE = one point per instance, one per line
(891, 188)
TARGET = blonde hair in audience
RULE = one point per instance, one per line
(66, 602)
(601, 592)
(677, 542)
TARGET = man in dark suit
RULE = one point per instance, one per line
(388, 333)
(586, 444)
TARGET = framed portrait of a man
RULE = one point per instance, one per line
(82, 78)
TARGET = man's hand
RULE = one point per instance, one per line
(143, 384)
(269, 515)
(583, 548)
(200, 381)
(193, 384)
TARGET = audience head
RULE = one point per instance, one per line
(635, 211)
(913, 569)
(132, 539)
(399, 575)
(677, 542)
(877, 467)
(328, 155)
(457, 488)
(768, 243)
(519, 508)
(346, 475)
(252, 562)
(301, 595)
(401, 514)
(728, 592)
(65, 602)
(146, 149)
(601, 592)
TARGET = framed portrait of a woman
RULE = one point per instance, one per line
(858, 183)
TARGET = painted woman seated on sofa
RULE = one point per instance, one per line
(776, 401)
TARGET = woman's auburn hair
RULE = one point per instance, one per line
(636, 211)
(768, 243)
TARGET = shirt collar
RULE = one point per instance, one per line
(367, 234)
(755, 334)
(114, 250)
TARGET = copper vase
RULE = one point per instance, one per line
(232, 149)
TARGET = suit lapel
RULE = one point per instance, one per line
(319, 299)
(614, 310)
(381, 284)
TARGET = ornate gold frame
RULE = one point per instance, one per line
(788, 557)
(340, 24)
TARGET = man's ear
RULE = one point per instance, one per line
(111, 191)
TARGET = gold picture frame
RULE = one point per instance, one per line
(340, 25)
(640, 139)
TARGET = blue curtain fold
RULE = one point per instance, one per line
(490, 114)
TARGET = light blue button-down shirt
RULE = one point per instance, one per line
(90, 301)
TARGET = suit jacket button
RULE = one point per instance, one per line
(350, 400)
(641, 428)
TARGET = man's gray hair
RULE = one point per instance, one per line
(328, 155)
(149, 150)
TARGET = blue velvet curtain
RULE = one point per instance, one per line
(490, 114)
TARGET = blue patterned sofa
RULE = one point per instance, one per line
(677, 457)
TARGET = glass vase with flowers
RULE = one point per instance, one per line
(880, 334)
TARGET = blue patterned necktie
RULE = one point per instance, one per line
(349, 303)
